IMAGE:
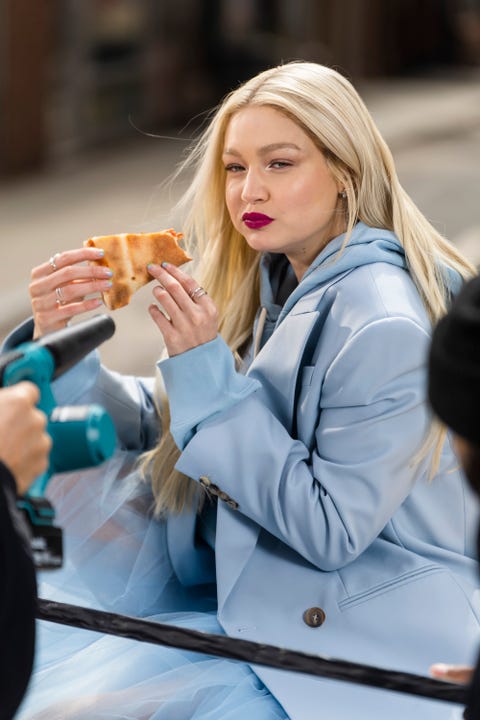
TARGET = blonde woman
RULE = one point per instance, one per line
(294, 469)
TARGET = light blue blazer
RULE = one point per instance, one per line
(322, 504)
(333, 511)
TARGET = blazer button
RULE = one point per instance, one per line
(314, 617)
(204, 480)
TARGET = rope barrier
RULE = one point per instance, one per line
(248, 651)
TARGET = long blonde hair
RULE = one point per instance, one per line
(328, 108)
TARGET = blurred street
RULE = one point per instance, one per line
(432, 127)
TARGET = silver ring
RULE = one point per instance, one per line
(197, 292)
(60, 299)
(52, 261)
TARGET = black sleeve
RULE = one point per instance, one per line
(17, 601)
(473, 705)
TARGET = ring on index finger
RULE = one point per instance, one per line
(60, 299)
(53, 261)
(197, 292)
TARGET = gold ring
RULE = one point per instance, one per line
(52, 261)
(60, 299)
(197, 292)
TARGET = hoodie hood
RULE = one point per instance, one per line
(280, 291)
(366, 245)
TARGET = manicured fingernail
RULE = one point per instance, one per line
(165, 264)
(107, 272)
(99, 252)
(152, 266)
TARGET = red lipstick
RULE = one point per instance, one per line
(254, 220)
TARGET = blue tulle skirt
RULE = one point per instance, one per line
(116, 560)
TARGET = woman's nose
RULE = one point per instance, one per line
(254, 189)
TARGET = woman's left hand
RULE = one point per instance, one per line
(190, 317)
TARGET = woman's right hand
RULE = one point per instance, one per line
(461, 674)
(60, 287)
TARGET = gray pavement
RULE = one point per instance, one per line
(432, 127)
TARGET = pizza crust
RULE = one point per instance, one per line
(128, 254)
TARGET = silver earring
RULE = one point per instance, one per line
(343, 194)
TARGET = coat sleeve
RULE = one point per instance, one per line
(129, 400)
(329, 501)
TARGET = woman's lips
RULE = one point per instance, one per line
(256, 220)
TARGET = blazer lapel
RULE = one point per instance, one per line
(291, 346)
(277, 368)
(229, 566)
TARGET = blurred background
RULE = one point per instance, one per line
(100, 98)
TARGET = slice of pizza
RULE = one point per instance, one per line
(128, 254)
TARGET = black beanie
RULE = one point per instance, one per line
(454, 365)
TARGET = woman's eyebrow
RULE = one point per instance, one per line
(265, 148)
(277, 146)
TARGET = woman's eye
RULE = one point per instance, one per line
(233, 167)
(279, 164)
